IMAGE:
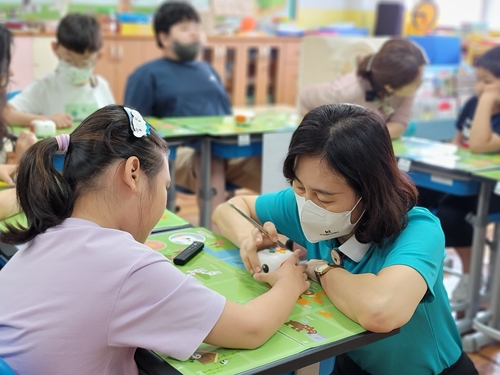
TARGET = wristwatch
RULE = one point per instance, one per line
(323, 269)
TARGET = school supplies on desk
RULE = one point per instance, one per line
(315, 321)
(188, 253)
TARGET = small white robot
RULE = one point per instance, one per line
(272, 259)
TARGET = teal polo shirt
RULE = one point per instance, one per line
(430, 341)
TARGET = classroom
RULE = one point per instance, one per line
(272, 187)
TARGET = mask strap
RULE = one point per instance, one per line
(362, 213)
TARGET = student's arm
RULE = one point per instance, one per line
(8, 203)
(396, 129)
(16, 117)
(160, 308)
(482, 138)
(251, 325)
(398, 122)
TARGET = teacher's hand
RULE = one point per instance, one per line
(254, 242)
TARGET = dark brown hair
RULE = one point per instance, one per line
(397, 64)
(80, 33)
(169, 13)
(48, 196)
(5, 58)
(490, 61)
(356, 145)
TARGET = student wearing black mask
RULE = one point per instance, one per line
(179, 85)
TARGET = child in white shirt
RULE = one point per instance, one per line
(72, 92)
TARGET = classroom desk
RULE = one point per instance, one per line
(454, 170)
(169, 222)
(227, 139)
(316, 329)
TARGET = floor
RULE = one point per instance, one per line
(487, 360)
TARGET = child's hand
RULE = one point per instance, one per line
(311, 267)
(62, 120)
(6, 173)
(293, 273)
(491, 94)
(25, 140)
(256, 240)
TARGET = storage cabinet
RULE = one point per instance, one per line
(256, 70)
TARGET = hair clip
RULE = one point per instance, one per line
(139, 126)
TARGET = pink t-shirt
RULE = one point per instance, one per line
(351, 89)
(79, 299)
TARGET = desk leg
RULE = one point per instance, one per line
(171, 191)
(488, 324)
(478, 242)
(205, 193)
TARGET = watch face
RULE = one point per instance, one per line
(322, 267)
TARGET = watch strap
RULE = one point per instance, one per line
(331, 266)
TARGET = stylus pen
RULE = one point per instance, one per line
(257, 225)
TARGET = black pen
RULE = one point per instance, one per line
(257, 225)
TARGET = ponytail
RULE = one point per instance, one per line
(44, 194)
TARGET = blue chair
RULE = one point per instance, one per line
(5, 369)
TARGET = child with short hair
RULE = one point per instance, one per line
(84, 292)
(72, 92)
(177, 85)
(478, 128)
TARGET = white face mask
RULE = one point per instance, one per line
(75, 76)
(319, 224)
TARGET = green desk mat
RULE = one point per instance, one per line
(226, 125)
(314, 321)
(169, 221)
(166, 129)
(444, 155)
